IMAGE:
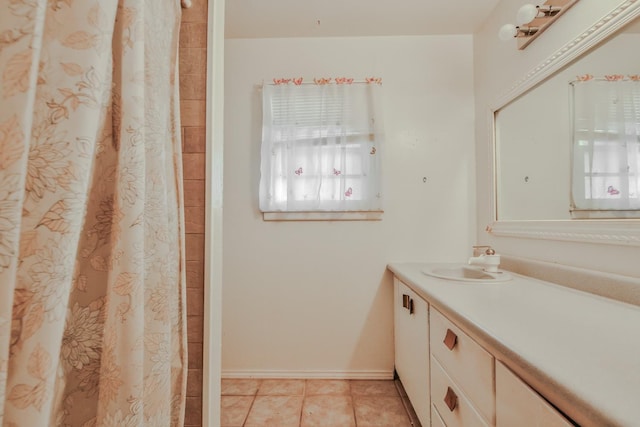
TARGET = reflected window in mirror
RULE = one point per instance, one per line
(534, 135)
(606, 146)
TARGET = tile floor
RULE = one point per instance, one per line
(315, 403)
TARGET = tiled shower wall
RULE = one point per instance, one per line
(193, 78)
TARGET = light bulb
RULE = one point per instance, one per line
(507, 32)
(526, 14)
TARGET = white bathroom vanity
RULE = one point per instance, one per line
(520, 352)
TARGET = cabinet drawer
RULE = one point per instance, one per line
(468, 364)
(519, 405)
(443, 388)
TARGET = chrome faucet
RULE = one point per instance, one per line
(489, 259)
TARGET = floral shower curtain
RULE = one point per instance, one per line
(92, 313)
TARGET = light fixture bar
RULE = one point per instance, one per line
(526, 31)
(549, 10)
(533, 20)
(547, 13)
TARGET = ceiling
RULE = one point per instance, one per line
(353, 18)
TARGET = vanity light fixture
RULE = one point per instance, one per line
(509, 31)
(532, 19)
(529, 12)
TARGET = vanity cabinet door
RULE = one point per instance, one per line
(518, 405)
(436, 419)
(411, 315)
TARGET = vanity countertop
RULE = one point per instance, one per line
(578, 350)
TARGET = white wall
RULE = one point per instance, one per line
(314, 298)
(498, 66)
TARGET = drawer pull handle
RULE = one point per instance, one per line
(407, 302)
(451, 339)
(450, 399)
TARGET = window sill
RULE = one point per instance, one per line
(323, 216)
(605, 214)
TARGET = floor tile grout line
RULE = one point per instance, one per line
(353, 406)
(255, 394)
(246, 417)
(304, 396)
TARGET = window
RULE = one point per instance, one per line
(321, 148)
(606, 147)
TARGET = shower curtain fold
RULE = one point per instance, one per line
(92, 282)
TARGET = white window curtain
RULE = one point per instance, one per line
(606, 147)
(321, 148)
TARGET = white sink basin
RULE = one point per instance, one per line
(464, 273)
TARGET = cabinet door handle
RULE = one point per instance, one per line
(450, 399)
(451, 339)
(407, 302)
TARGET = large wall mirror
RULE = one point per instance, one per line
(534, 133)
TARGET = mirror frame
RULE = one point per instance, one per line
(604, 231)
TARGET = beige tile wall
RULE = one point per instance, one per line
(193, 78)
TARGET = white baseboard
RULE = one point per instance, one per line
(328, 375)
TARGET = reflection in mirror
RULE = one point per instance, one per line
(605, 146)
(534, 136)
